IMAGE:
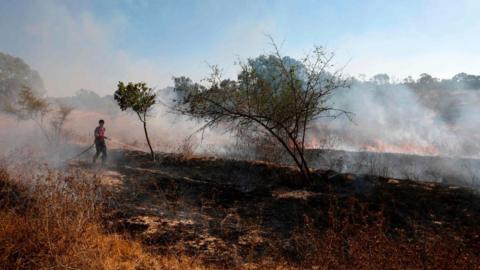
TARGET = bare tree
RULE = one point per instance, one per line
(276, 95)
(58, 121)
(31, 107)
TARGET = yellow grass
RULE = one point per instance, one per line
(55, 222)
(57, 225)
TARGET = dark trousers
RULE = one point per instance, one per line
(101, 148)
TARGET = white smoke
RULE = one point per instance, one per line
(396, 118)
(427, 141)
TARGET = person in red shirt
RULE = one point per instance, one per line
(100, 145)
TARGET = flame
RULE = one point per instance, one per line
(406, 148)
(314, 143)
(384, 147)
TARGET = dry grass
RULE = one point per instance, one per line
(55, 222)
(368, 245)
(187, 148)
(360, 240)
(57, 225)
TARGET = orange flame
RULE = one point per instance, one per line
(383, 147)
(406, 148)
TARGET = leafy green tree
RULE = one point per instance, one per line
(139, 98)
(272, 95)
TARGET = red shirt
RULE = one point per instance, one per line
(99, 134)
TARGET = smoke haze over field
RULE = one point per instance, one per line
(85, 45)
(394, 118)
(239, 134)
(93, 44)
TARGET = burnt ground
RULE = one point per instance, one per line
(223, 211)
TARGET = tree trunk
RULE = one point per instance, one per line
(305, 167)
(302, 163)
(148, 140)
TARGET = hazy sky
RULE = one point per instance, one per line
(93, 44)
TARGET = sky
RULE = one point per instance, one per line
(94, 44)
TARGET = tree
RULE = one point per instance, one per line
(381, 79)
(140, 99)
(466, 81)
(408, 80)
(30, 107)
(58, 121)
(426, 79)
(273, 95)
(15, 76)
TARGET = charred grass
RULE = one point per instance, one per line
(201, 213)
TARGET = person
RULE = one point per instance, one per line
(100, 145)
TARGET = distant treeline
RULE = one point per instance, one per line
(16, 75)
(90, 101)
(461, 81)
